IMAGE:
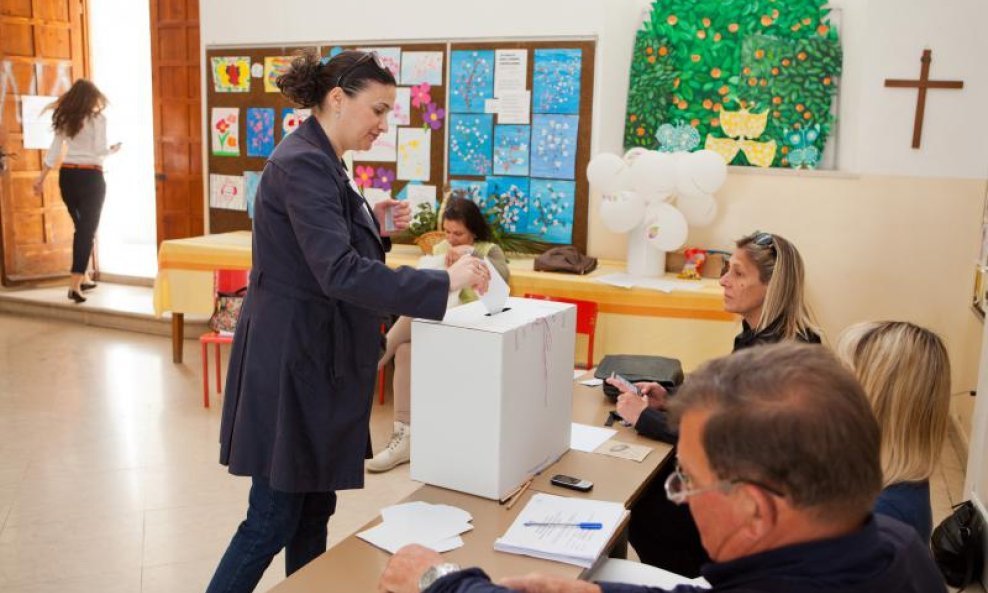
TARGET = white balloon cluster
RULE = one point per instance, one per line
(639, 191)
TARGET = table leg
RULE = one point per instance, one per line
(178, 336)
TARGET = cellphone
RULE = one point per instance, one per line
(389, 221)
(571, 482)
(625, 385)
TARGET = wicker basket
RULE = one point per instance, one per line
(427, 241)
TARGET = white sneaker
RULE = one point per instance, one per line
(398, 451)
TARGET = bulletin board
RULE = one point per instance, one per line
(448, 127)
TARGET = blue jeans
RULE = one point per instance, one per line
(275, 520)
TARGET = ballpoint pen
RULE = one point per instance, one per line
(579, 525)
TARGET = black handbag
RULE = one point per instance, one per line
(668, 372)
(957, 545)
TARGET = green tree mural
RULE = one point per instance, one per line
(695, 59)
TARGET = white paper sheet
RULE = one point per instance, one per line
(37, 125)
(435, 526)
(384, 148)
(586, 438)
(514, 107)
(615, 570)
(510, 70)
(400, 115)
(227, 192)
(414, 157)
(374, 195)
(420, 194)
(659, 284)
(592, 382)
(497, 291)
(422, 66)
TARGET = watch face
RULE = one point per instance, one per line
(434, 573)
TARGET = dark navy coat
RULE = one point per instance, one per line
(301, 378)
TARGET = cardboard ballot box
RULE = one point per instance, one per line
(491, 394)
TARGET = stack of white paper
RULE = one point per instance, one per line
(435, 526)
(587, 438)
(571, 545)
(659, 284)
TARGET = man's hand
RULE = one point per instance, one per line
(655, 393)
(631, 406)
(538, 583)
(405, 568)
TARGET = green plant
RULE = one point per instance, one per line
(424, 220)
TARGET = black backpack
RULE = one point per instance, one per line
(957, 545)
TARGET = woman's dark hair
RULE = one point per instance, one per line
(82, 101)
(309, 79)
(468, 213)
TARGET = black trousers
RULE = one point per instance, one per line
(83, 191)
(664, 534)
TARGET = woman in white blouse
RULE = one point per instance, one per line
(78, 122)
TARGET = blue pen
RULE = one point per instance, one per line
(579, 525)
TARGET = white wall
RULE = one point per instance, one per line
(120, 49)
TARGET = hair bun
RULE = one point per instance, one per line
(304, 82)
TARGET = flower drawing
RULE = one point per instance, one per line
(421, 94)
(383, 179)
(433, 116)
(364, 176)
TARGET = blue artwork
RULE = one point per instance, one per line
(551, 204)
(471, 80)
(554, 146)
(472, 190)
(260, 131)
(470, 144)
(507, 202)
(511, 149)
(251, 180)
(556, 81)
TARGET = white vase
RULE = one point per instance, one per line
(644, 261)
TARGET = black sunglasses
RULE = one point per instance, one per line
(763, 240)
(367, 57)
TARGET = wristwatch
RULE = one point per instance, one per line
(434, 573)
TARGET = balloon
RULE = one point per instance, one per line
(685, 184)
(666, 228)
(699, 210)
(607, 173)
(653, 172)
(633, 154)
(622, 212)
(709, 170)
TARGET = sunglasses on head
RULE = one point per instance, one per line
(763, 240)
(366, 57)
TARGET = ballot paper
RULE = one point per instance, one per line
(435, 526)
(571, 545)
(624, 450)
(587, 438)
(497, 291)
(615, 570)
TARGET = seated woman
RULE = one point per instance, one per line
(466, 232)
(763, 283)
(905, 373)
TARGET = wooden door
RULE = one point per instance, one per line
(43, 48)
(177, 117)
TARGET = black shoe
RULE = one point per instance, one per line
(76, 296)
(88, 286)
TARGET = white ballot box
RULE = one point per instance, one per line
(491, 394)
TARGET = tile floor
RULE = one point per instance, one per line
(108, 472)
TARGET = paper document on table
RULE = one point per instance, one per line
(497, 291)
(571, 545)
(615, 570)
(659, 284)
(624, 450)
(587, 438)
(435, 526)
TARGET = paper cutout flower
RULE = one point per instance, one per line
(384, 179)
(222, 125)
(364, 176)
(433, 116)
(421, 94)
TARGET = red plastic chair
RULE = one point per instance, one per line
(586, 319)
(224, 281)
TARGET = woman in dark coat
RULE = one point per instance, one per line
(305, 353)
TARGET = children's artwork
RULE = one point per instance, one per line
(275, 66)
(507, 202)
(471, 80)
(556, 80)
(390, 58)
(551, 205)
(401, 115)
(511, 149)
(422, 66)
(227, 192)
(416, 194)
(374, 195)
(224, 129)
(231, 74)
(384, 148)
(292, 118)
(470, 144)
(260, 131)
(414, 158)
(251, 180)
(554, 146)
(469, 189)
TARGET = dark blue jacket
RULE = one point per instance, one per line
(885, 556)
(908, 502)
(298, 394)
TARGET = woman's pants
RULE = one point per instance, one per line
(275, 520)
(83, 191)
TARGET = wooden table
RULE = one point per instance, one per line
(354, 565)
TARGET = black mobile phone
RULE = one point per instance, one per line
(571, 482)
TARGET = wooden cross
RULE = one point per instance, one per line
(922, 84)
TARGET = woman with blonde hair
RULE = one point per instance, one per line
(78, 121)
(905, 373)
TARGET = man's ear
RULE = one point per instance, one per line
(762, 509)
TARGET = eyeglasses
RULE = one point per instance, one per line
(678, 489)
(367, 57)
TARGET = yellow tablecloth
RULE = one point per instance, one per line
(184, 283)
